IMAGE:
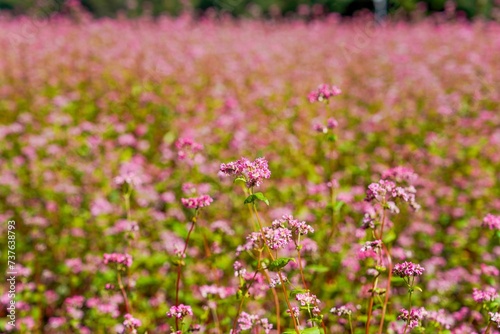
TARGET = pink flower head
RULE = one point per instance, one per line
(307, 299)
(407, 269)
(253, 172)
(197, 202)
(400, 174)
(413, 317)
(186, 146)
(124, 259)
(487, 295)
(323, 93)
(297, 227)
(277, 237)
(130, 173)
(131, 323)
(248, 321)
(180, 312)
(492, 222)
(341, 311)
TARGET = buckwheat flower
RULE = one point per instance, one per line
(323, 93)
(295, 311)
(413, 317)
(495, 317)
(180, 312)
(307, 299)
(379, 191)
(407, 269)
(254, 241)
(487, 295)
(369, 249)
(123, 259)
(320, 128)
(276, 281)
(253, 172)
(368, 220)
(341, 311)
(130, 173)
(492, 222)
(332, 123)
(186, 146)
(247, 321)
(277, 238)
(239, 271)
(197, 202)
(400, 174)
(297, 227)
(131, 324)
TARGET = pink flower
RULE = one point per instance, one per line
(407, 269)
(187, 146)
(197, 202)
(492, 222)
(413, 317)
(180, 312)
(323, 93)
(487, 295)
(131, 323)
(124, 259)
(253, 172)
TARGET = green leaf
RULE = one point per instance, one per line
(332, 138)
(338, 206)
(280, 263)
(312, 330)
(256, 196)
(240, 179)
(418, 288)
(250, 199)
(261, 197)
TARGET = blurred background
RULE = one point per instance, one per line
(409, 9)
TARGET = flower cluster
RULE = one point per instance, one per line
(130, 173)
(197, 202)
(131, 324)
(307, 299)
(323, 93)
(277, 237)
(369, 249)
(276, 281)
(297, 227)
(331, 124)
(186, 146)
(487, 295)
(407, 269)
(254, 241)
(118, 258)
(180, 312)
(495, 318)
(215, 291)
(412, 317)
(386, 192)
(248, 321)
(341, 311)
(492, 222)
(253, 172)
(400, 174)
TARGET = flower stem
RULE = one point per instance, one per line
(179, 266)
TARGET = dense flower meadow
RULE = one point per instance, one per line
(183, 176)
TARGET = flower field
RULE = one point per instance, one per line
(179, 176)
